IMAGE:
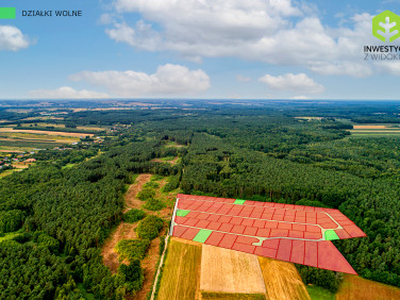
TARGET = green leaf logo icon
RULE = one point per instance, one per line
(386, 26)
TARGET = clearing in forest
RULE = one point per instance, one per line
(125, 230)
(354, 287)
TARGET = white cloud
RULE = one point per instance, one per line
(168, 80)
(66, 92)
(297, 83)
(300, 98)
(12, 39)
(242, 78)
(261, 30)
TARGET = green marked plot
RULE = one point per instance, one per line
(202, 235)
(239, 201)
(182, 213)
(331, 235)
(7, 13)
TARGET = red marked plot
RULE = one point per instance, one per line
(225, 219)
(191, 222)
(190, 233)
(247, 222)
(214, 218)
(236, 221)
(285, 230)
(263, 232)
(203, 223)
(289, 218)
(250, 231)
(312, 229)
(244, 248)
(178, 231)
(297, 252)
(273, 244)
(271, 224)
(180, 220)
(342, 234)
(311, 254)
(296, 234)
(331, 259)
(225, 227)
(215, 238)
(266, 252)
(214, 226)
(354, 231)
(298, 227)
(286, 226)
(238, 229)
(279, 233)
(259, 223)
(284, 250)
(227, 241)
(246, 240)
(313, 235)
(277, 217)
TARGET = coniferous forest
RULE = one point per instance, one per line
(54, 219)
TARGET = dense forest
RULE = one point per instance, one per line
(53, 220)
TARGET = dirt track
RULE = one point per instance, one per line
(124, 230)
(127, 231)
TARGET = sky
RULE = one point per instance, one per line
(202, 49)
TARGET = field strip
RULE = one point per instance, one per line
(282, 280)
(241, 272)
(60, 133)
(181, 273)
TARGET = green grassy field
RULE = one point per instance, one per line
(319, 293)
(181, 272)
(355, 287)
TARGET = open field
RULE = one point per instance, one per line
(375, 130)
(242, 272)
(60, 126)
(370, 126)
(181, 271)
(9, 172)
(169, 159)
(355, 287)
(282, 280)
(319, 293)
(223, 296)
(58, 133)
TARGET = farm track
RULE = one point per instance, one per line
(127, 231)
(124, 230)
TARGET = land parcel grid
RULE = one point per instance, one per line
(287, 232)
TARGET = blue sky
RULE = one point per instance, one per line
(272, 49)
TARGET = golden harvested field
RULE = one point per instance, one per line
(355, 287)
(227, 271)
(59, 133)
(282, 280)
(370, 126)
(181, 272)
